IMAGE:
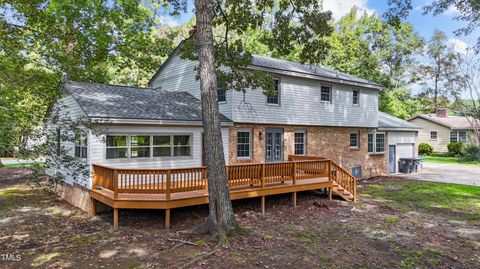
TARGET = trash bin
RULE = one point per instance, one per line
(409, 165)
(403, 166)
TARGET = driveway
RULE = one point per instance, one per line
(449, 173)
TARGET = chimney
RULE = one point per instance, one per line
(441, 112)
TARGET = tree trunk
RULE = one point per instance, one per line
(221, 220)
(1, 164)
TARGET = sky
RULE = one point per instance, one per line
(423, 24)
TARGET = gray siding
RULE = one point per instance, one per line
(300, 100)
(179, 75)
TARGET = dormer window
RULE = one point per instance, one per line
(275, 98)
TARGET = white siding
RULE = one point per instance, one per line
(300, 100)
(68, 110)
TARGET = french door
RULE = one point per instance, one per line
(273, 145)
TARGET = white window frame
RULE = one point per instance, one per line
(151, 146)
(278, 93)
(250, 142)
(304, 132)
(127, 142)
(130, 146)
(357, 140)
(374, 137)
(436, 135)
(358, 97)
(225, 94)
(81, 145)
(329, 95)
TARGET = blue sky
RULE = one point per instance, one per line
(424, 24)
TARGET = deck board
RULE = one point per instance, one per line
(181, 199)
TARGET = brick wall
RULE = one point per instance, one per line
(330, 142)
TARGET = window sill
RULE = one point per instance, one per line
(222, 102)
(275, 105)
(244, 158)
(354, 148)
(376, 153)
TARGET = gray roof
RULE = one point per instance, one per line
(315, 70)
(124, 102)
(387, 121)
(452, 122)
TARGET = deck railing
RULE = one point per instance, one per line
(167, 181)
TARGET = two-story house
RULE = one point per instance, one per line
(315, 112)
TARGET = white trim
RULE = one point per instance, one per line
(330, 95)
(279, 94)
(357, 133)
(358, 97)
(304, 132)
(436, 134)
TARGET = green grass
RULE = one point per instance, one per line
(14, 165)
(459, 201)
(453, 160)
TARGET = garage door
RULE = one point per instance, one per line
(405, 151)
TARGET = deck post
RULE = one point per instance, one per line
(294, 199)
(167, 218)
(354, 190)
(330, 171)
(115, 218)
(330, 193)
(169, 172)
(115, 184)
(94, 207)
(263, 204)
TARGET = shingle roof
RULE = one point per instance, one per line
(453, 122)
(315, 70)
(387, 121)
(123, 102)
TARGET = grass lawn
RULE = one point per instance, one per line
(397, 223)
(457, 201)
(452, 160)
(14, 165)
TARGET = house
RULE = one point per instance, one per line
(439, 129)
(322, 129)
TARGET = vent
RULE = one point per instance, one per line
(357, 171)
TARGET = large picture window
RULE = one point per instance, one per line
(81, 146)
(117, 146)
(243, 144)
(300, 142)
(146, 146)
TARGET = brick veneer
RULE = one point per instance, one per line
(330, 142)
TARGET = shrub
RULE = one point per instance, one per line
(425, 149)
(455, 148)
(471, 153)
(443, 155)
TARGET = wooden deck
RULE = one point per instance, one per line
(174, 188)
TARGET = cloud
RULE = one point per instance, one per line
(452, 10)
(458, 45)
(341, 8)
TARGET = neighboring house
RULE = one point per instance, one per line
(316, 112)
(439, 129)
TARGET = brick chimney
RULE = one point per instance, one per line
(441, 112)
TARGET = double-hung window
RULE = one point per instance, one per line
(453, 137)
(181, 145)
(355, 97)
(244, 140)
(354, 137)
(117, 146)
(325, 93)
(275, 98)
(458, 137)
(81, 146)
(221, 94)
(162, 145)
(376, 143)
(433, 135)
(300, 143)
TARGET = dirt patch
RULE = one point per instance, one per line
(47, 232)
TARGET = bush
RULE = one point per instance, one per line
(443, 155)
(425, 149)
(471, 153)
(455, 148)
